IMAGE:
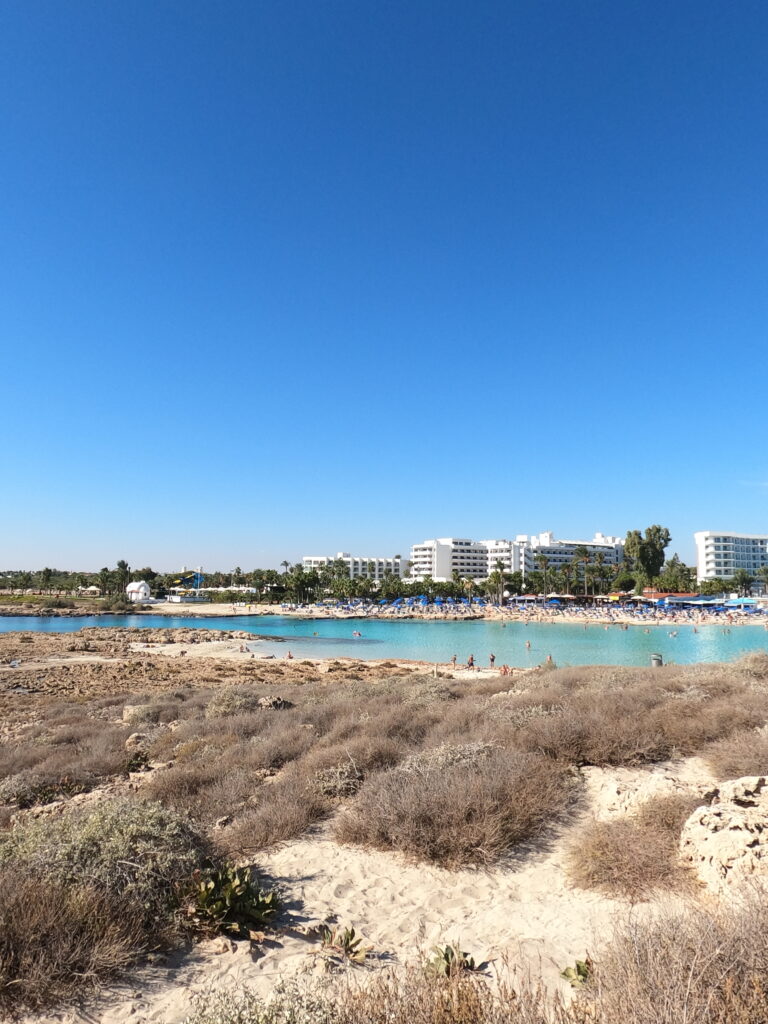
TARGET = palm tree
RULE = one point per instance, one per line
(567, 574)
(469, 586)
(122, 575)
(500, 568)
(105, 578)
(543, 563)
(580, 554)
(762, 572)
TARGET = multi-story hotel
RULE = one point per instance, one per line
(476, 559)
(562, 552)
(719, 555)
(441, 557)
(359, 568)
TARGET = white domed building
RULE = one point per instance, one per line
(138, 591)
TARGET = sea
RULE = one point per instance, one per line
(512, 643)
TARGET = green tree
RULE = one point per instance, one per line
(105, 581)
(543, 565)
(122, 576)
(742, 582)
(45, 579)
(647, 551)
(581, 557)
(762, 573)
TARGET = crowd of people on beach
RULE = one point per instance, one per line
(600, 614)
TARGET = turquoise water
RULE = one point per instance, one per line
(569, 644)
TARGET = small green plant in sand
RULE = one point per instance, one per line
(230, 900)
(451, 961)
(343, 946)
(578, 975)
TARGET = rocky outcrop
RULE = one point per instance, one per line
(726, 841)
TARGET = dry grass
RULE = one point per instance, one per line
(698, 966)
(634, 858)
(470, 812)
(744, 752)
(56, 938)
(283, 810)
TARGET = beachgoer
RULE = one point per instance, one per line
(453, 660)
(471, 661)
(289, 656)
(528, 644)
(492, 660)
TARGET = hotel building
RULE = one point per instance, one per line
(441, 557)
(562, 552)
(358, 568)
(719, 555)
(477, 559)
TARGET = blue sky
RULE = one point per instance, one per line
(280, 278)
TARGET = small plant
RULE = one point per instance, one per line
(343, 945)
(231, 900)
(451, 961)
(341, 780)
(578, 975)
(137, 762)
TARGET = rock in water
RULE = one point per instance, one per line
(726, 842)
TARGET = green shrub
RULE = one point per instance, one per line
(121, 848)
(230, 899)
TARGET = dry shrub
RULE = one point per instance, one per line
(55, 938)
(641, 724)
(408, 997)
(745, 752)
(700, 966)
(469, 813)
(634, 857)
(283, 810)
(204, 791)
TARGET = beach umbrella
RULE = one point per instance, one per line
(383, 601)
(438, 600)
(554, 600)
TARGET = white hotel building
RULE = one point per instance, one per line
(562, 552)
(441, 557)
(477, 559)
(358, 568)
(719, 555)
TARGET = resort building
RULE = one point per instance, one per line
(508, 552)
(477, 559)
(441, 557)
(719, 555)
(358, 568)
(563, 552)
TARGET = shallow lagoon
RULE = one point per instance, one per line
(568, 643)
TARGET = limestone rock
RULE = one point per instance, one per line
(137, 741)
(726, 841)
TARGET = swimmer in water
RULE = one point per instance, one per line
(356, 632)
(528, 644)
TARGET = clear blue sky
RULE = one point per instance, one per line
(292, 277)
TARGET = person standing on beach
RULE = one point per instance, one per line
(453, 660)
(471, 661)
(492, 660)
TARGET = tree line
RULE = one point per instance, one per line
(586, 575)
